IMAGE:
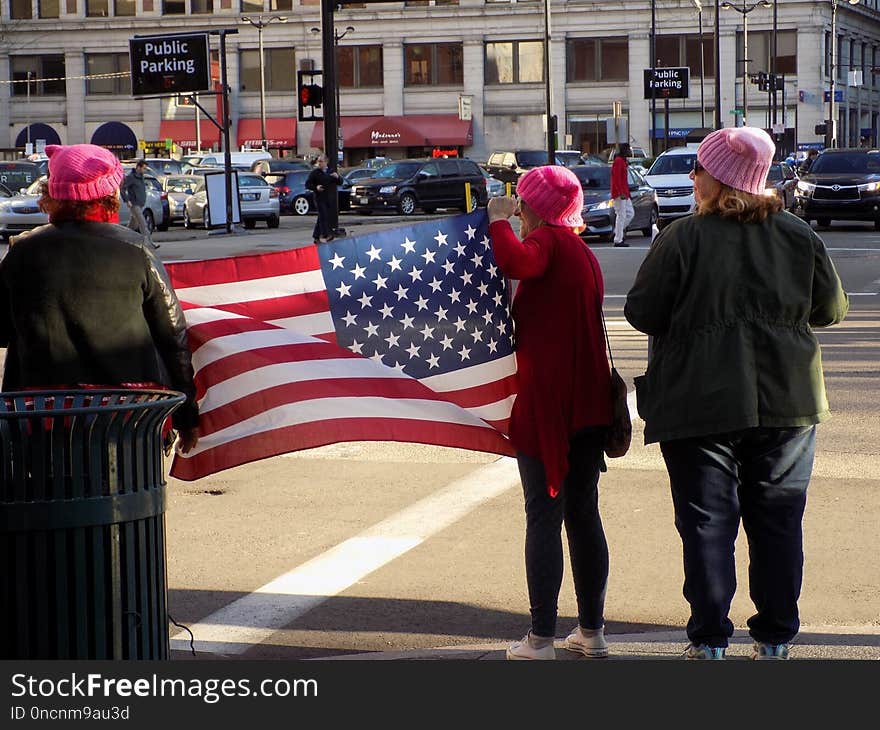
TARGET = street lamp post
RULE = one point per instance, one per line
(744, 10)
(718, 67)
(28, 110)
(831, 128)
(699, 6)
(259, 23)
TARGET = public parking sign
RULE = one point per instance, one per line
(667, 83)
(169, 64)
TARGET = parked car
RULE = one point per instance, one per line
(598, 212)
(841, 184)
(349, 178)
(507, 166)
(494, 187)
(638, 156)
(375, 163)
(159, 167)
(569, 158)
(782, 181)
(239, 160)
(669, 175)
(257, 198)
(405, 185)
(160, 222)
(177, 189)
(293, 197)
(18, 175)
(22, 212)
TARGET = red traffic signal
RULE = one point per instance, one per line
(311, 95)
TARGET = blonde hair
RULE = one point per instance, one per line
(744, 207)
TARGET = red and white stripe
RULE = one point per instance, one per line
(271, 378)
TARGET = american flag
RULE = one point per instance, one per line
(402, 335)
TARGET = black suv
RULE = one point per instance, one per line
(404, 185)
(508, 166)
(842, 184)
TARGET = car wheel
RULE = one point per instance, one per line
(300, 205)
(407, 204)
(151, 223)
(249, 223)
(166, 222)
(273, 222)
(206, 219)
(823, 222)
(650, 229)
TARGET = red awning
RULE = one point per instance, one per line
(418, 130)
(280, 132)
(183, 132)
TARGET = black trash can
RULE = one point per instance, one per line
(82, 524)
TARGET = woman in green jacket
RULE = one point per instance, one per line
(734, 386)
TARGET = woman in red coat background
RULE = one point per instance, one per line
(563, 406)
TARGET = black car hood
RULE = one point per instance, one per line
(840, 178)
(378, 181)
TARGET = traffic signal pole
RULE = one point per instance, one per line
(331, 113)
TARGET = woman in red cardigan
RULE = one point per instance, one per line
(563, 407)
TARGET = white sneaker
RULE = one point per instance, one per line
(590, 643)
(532, 647)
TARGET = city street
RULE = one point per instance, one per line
(393, 547)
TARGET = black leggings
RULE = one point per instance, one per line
(577, 504)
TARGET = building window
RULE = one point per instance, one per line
(21, 10)
(104, 64)
(514, 62)
(278, 64)
(677, 51)
(359, 66)
(252, 6)
(97, 8)
(276, 5)
(597, 59)
(173, 7)
(432, 64)
(759, 51)
(49, 8)
(201, 7)
(125, 8)
(46, 73)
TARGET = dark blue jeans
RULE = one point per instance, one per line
(577, 504)
(759, 475)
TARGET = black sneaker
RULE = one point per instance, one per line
(621, 245)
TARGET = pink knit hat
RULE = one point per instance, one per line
(739, 157)
(82, 172)
(554, 193)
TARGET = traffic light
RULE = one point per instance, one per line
(310, 96)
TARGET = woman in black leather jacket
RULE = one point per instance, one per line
(84, 302)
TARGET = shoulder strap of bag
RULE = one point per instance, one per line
(601, 312)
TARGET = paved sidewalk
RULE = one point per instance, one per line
(816, 642)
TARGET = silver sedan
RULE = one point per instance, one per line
(258, 201)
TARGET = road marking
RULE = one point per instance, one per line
(252, 619)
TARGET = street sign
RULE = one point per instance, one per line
(667, 83)
(464, 107)
(838, 95)
(170, 64)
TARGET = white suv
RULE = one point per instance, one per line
(670, 177)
